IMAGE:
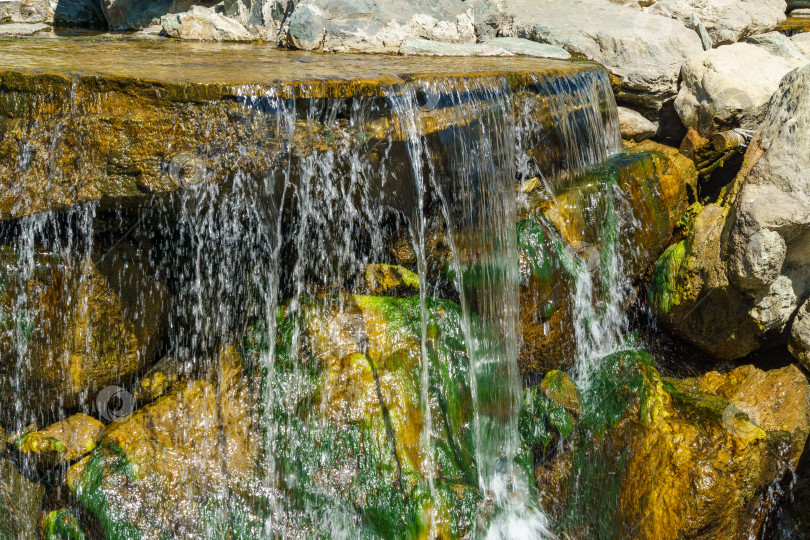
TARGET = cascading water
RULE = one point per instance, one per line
(376, 414)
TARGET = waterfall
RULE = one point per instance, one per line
(379, 414)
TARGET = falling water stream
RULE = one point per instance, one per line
(319, 194)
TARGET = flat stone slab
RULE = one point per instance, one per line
(493, 47)
(232, 63)
(22, 29)
(110, 119)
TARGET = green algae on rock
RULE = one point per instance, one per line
(649, 188)
(658, 457)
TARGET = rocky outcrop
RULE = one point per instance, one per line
(374, 25)
(727, 21)
(204, 24)
(743, 269)
(657, 457)
(642, 51)
(730, 87)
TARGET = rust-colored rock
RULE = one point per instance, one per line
(155, 471)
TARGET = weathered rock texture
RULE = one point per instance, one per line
(20, 503)
(369, 25)
(634, 126)
(204, 24)
(161, 469)
(52, 12)
(642, 51)
(727, 21)
(799, 344)
(70, 328)
(743, 269)
(730, 87)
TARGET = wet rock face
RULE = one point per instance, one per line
(71, 328)
(668, 458)
(344, 394)
(20, 503)
(572, 234)
(749, 259)
(170, 466)
(64, 441)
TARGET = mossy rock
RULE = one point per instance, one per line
(669, 458)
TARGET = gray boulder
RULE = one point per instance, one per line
(643, 52)
(134, 14)
(769, 246)
(726, 21)
(379, 26)
(84, 13)
(778, 44)
(730, 87)
(205, 24)
(634, 126)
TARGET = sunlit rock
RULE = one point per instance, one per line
(634, 126)
(64, 441)
(727, 21)
(642, 51)
(203, 24)
(742, 269)
(730, 87)
(669, 458)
